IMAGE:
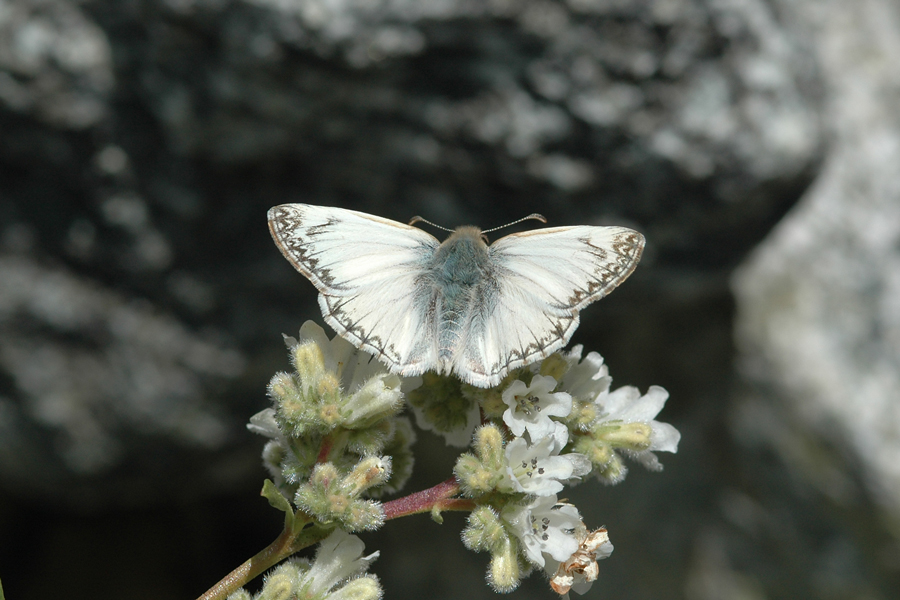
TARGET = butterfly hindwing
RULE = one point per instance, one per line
(368, 271)
(538, 281)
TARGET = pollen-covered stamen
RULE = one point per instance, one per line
(528, 405)
(539, 468)
(539, 528)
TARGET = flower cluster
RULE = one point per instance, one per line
(336, 442)
(549, 426)
(335, 437)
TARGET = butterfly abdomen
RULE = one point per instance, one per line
(457, 269)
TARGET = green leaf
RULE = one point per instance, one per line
(277, 500)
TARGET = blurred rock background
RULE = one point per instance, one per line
(756, 143)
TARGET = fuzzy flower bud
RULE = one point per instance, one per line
(483, 472)
(333, 497)
(377, 399)
(315, 379)
(630, 436)
(484, 530)
(370, 472)
(504, 573)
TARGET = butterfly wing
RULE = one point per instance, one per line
(368, 271)
(529, 300)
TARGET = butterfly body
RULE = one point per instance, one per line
(460, 306)
(458, 269)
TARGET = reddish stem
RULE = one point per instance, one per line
(324, 450)
(438, 496)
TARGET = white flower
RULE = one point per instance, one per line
(538, 469)
(586, 379)
(627, 405)
(579, 571)
(338, 558)
(530, 407)
(633, 414)
(264, 423)
(544, 526)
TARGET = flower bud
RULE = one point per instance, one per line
(377, 399)
(554, 366)
(362, 515)
(309, 364)
(504, 572)
(280, 584)
(371, 471)
(482, 474)
(583, 415)
(613, 471)
(290, 403)
(362, 588)
(632, 436)
(489, 446)
(597, 451)
(484, 530)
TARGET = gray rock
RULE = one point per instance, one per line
(818, 311)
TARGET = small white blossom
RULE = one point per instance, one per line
(626, 405)
(539, 469)
(263, 423)
(586, 379)
(530, 407)
(545, 526)
(338, 558)
(579, 571)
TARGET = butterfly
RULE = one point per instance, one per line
(459, 306)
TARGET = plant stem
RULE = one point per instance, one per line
(286, 544)
(437, 497)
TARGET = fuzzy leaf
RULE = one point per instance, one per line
(277, 500)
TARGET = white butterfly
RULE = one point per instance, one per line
(459, 306)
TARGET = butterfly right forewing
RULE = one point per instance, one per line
(537, 284)
(368, 271)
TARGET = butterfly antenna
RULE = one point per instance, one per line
(418, 219)
(531, 217)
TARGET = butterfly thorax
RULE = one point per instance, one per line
(457, 269)
(461, 259)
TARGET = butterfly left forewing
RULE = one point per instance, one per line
(530, 299)
(368, 272)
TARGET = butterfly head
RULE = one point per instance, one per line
(462, 257)
(470, 233)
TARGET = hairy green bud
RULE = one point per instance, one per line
(632, 436)
(484, 530)
(483, 472)
(504, 573)
(554, 366)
